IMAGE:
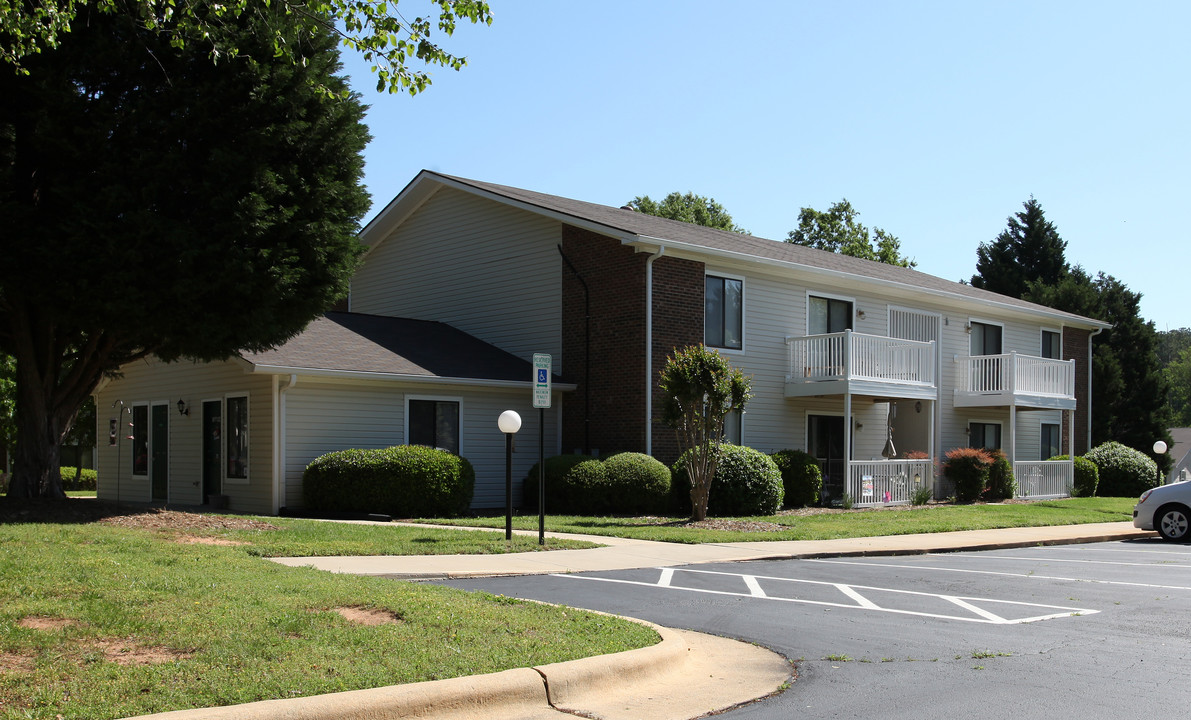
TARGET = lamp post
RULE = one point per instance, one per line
(1159, 449)
(509, 423)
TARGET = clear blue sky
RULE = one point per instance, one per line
(935, 119)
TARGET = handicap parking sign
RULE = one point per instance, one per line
(541, 377)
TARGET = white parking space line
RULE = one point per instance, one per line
(861, 596)
(1031, 576)
(1042, 558)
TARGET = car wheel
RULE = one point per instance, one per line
(1173, 522)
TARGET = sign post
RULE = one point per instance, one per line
(541, 400)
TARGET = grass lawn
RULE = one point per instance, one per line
(98, 620)
(795, 525)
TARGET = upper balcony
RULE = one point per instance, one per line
(851, 362)
(1012, 379)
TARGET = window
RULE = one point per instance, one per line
(723, 312)
(984, 435)
(237, 437)
(1050, 441)
(828, 315)
(434, 423)
(986, 339)
(732, 431)
(140, 439)
(1052, 345)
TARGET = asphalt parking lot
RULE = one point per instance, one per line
(1059, 631)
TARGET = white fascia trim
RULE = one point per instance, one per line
(430, 379)
(645, 243)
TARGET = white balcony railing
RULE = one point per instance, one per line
(1045, 479)
(856, 356)
(1019, 374)
(887, 482)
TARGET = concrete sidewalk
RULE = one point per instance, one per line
(625, 554)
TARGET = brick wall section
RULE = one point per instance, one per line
(677, 323)
(1075, 347)
(615, 275)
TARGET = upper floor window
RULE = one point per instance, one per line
(723, 324)
(434, 423)
(1052, 345)
(828, 315)
(986, 339)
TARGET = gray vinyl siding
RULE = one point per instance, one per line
(323, 417)
(151, 381)
(488, 269)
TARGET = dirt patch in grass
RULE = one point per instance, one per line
(162, 519)
(13, 663)
(368, 616)
(206, 540)
(38, 622)
(130, 652)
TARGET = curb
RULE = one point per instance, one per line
(524, 692)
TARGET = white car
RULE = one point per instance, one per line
(1167, 509)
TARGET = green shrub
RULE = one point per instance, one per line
(402, 481)
(557, 494)
(1087, 476)
(637, 483)
(802, 477)
(87, 480)
(1001, 483)
(747, 482)
(968, 469)
(1124, 472)
(587, 489)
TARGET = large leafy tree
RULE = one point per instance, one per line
(1029, 250)
(1178, 378)
(213, 207)
(689, 208)
(839, 230)
(700, 389)
(1129, 388)
(376, 29)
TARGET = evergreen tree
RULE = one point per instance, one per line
(1029, 250)
(214, 207)
(839, 231)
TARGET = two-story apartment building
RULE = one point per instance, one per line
(876, 370)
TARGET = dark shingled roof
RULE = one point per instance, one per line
(352, 342)
(761, 249)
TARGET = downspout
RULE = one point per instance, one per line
(649, 347)
(586, 357)
(280, 446)
(1093, 334)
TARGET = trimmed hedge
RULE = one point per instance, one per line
(968, 468)
(802, 477)
(402, 481)
(1001, 483)
(625, 483)
(1124, 472)
(87, 480)
(747, 482)
(1087, 476)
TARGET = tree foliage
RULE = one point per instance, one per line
(1029, 250)
(700, 388)
(1178, 379)
(375, 29)
(838, 230)
(214, 207)
(688, 208)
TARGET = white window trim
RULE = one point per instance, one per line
(434, 398)
(986, 421)
(1042, 336)
(743, 311)
(225, 431)
(826, 296)
(998, 323)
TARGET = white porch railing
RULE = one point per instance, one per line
(856, 356)
(1013, 373)
(1044, 479)
(887, 482)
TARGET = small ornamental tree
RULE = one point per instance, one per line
(700, 389)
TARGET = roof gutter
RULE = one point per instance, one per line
(368, 375)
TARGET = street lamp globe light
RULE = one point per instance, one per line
(509, 422)
(1159, 449)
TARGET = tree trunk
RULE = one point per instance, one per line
(35, 472)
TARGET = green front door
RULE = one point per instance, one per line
(160, 443)
(212, 449)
